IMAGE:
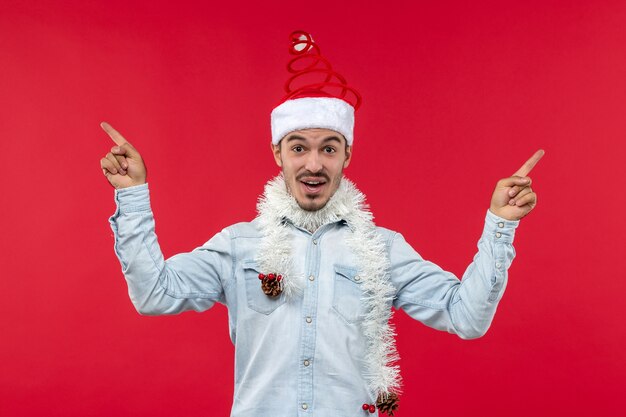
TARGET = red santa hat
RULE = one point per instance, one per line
(317, 96)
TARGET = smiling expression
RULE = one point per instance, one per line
(312, 161)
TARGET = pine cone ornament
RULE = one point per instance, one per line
(388, 403)
(271, 284)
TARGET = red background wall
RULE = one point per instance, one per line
(456, 96)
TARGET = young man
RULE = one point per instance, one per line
(309, 284)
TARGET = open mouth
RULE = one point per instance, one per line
(313, 186)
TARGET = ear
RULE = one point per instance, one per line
(346, 162)
(276, 152)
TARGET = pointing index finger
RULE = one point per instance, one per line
(114, 134)
(530, 164)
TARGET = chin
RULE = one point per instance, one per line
(311, 205)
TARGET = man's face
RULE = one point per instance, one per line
(312, 161)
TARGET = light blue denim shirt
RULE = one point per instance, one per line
(303, 357)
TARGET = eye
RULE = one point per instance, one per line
(329, 149)
(297, 149)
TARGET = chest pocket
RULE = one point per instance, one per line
(256, 298)
(347, 294)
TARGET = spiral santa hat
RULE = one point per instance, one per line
(317, 96)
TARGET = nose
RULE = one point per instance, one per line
(313, 162)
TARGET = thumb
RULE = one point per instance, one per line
(126, 150)
(514, 180)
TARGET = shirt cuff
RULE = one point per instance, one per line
(133, 199)
(498, 229)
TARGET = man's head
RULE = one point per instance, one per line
(313, 126)
(312, 161)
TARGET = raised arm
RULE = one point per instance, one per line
(466, 307)
(439, 299)
(187, 281)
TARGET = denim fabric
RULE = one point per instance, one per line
(303, 356)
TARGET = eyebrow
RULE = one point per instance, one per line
(298, 137)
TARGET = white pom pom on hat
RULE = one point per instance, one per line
(327, 102)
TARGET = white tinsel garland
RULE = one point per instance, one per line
(275, 255)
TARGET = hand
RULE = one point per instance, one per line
(123, 166)
(513, 198)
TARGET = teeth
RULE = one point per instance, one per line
(312, 183)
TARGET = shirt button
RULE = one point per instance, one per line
(498, 234)
(357, 278)
(306, 362)
(498, 265)
(315, 241)
(311, 278)
(500, 224)
(309, 319)
(305, 406)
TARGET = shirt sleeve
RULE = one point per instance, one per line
(439, 299)
(187, 281)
